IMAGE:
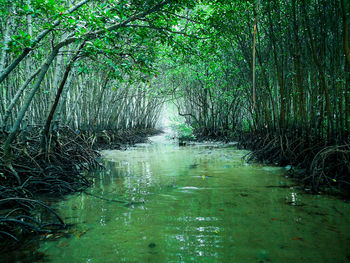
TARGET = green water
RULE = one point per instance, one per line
(199, 203)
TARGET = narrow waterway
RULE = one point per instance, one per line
(198, 203)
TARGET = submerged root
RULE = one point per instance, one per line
(325, 166)
(20, 222)
(331, 166)
(58, 172)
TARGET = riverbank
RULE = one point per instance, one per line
(319, 165)
(316, 164)
(31, 174)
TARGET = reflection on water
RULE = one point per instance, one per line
(200, 203)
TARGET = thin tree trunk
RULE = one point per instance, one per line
(330, 126)
(347, 64)
(299, 76)
(7, 38)
(22, 112)
(278, 72)
(16, 97)
(58, 116)
(45, 133)
(254, 42)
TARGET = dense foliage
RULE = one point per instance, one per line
(273, 74)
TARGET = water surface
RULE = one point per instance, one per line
(198, 203)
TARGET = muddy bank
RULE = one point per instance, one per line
(30, 177)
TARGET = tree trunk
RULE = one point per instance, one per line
(44, 68)
(299, 76)
(347, 64)
(16, 97)
(7, 38)
(45, 133)
(330, 123)
(279, 76)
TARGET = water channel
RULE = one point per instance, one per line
(199, 203)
